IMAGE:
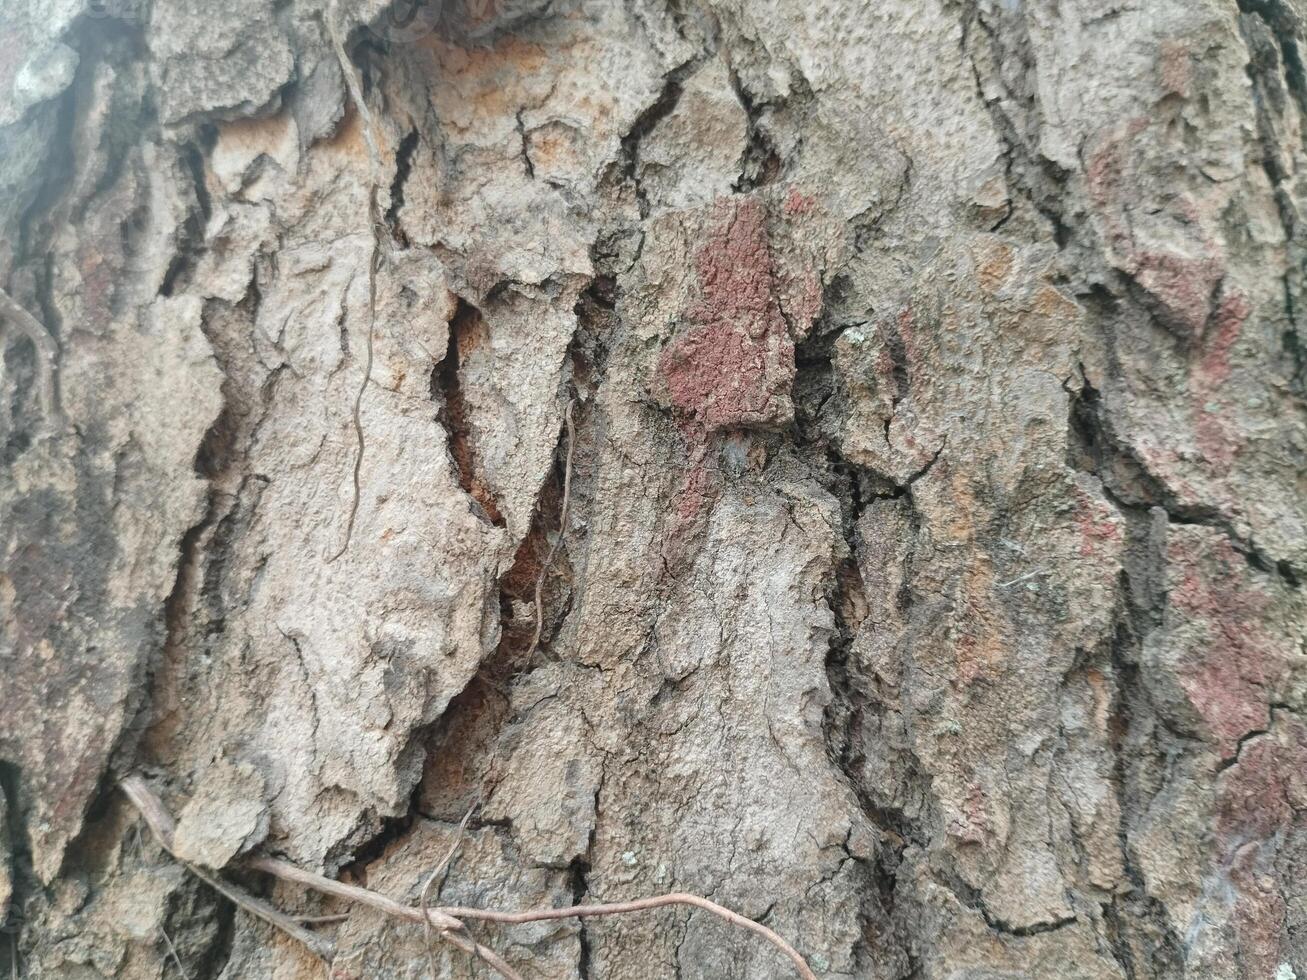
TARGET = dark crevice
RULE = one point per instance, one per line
(468, 329)
(905, 488)
(43, 209)
(527, 165)
(1031, 930)
(971, 897)
(22, 877)
(197, 606)
(403, 168)
(478, 24)
(467, 735)
(213, 458)
(191, 238)
(200, 556)
(518, 585)
(660, 109)
(218, 447)
(1244, 739)
(368, 53)
(1136, 926)
(42, 212)
(392, 831)
(855, 707)
(577, 873)
(1288, 573)
(201, 927)
(1247, 737)
(1116, 933)
(1271, 32)
(1285, 26)
(177, 606)
(1015, 115)
(893, 337)
(760, 164)
(1093, 448)
(1138, 929)
(587, 357)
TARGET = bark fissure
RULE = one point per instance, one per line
(1126, 481)
(403, 168)
(577, 872)
(1015, 116)
(1265, 57)
(1137, 928)
(22, 881)
(650, 117)
(466, 324)
(761, 163)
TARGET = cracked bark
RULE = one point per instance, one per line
(931, 582)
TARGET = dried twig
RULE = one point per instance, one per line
(351, 893)
(355, 90)
(175, 958)
(320, 920)
(562, 529)
(446, 920)
(446, 924)
(423, 900)
(640, 905)
(47, 353)
(1020, 578)
(380, 249)
(161, 825)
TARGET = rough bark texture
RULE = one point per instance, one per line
(930, 587)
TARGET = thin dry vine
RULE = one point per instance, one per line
(447, 921)
(562, 530)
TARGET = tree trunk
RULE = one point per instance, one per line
(844, 460)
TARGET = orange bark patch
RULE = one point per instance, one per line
(348, 137)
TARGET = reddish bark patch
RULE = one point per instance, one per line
(98, 282)
(1175, 68)
(1216, 437)
(1259, 913)
(1218, 444)
(1265, 792)
(1232, 660)
(971, 825)
(797, 203)
(1105, 175)
(1261, 801)
(1100, 529)
(1182, 285)
(1228, 323)
(1095, 529)
(694, 496)
(734, 366)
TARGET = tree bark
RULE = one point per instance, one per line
(928, 387)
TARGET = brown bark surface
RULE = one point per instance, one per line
(928, 587)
